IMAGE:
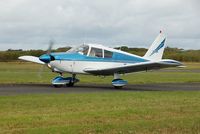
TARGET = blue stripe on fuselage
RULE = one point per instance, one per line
(117, 57)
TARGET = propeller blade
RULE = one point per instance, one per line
(45, 58)
(51, 43)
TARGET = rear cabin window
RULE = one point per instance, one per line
(108, 54)
(96, 52)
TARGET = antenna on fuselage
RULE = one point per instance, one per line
(84, 39)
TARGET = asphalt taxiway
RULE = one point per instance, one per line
(15, 89)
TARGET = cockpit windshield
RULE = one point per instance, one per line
(83, 49)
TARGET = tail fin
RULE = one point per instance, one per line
(156, 50)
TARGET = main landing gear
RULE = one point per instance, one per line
(118, 82)
(61, 81)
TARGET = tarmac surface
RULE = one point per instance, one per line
(17, 89)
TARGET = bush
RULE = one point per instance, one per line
(170, 53)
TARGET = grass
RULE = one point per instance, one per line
(22, 72)
(119, 112)
(116, 112)
(193, 65)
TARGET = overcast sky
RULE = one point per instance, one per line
(30, 24)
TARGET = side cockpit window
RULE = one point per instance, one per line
(108, 54)
(80, 49)
(96, 52)
(85, 50)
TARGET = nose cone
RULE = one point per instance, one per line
(45, 58)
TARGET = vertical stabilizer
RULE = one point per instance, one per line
(155, 52)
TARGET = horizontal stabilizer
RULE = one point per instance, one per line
(31, 59)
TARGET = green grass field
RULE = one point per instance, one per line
(21, 72)
(119, 112)
(116, 112)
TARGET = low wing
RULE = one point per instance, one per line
(144, 66)
(31, 59)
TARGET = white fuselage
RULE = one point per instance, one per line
(76, 61)
(78, 67)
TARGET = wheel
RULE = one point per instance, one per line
(118, 87)
(57, 86)
(71, 84)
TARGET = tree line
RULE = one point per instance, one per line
(170, 53)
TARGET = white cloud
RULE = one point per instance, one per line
(32, 23)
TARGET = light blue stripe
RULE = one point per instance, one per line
(117, 57)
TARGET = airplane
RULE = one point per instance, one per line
(99, 60)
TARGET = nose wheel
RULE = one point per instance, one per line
(61, 81)
(70, 84)
(72, 81)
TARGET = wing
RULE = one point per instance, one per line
(137, 67)
(31, 59)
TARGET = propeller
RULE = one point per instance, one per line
(46, 58)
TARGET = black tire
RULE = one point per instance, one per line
(57, 86)
(71, 84)
(118, 87)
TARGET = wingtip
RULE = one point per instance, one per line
(20, 57)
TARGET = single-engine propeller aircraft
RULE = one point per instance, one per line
(95, 59)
